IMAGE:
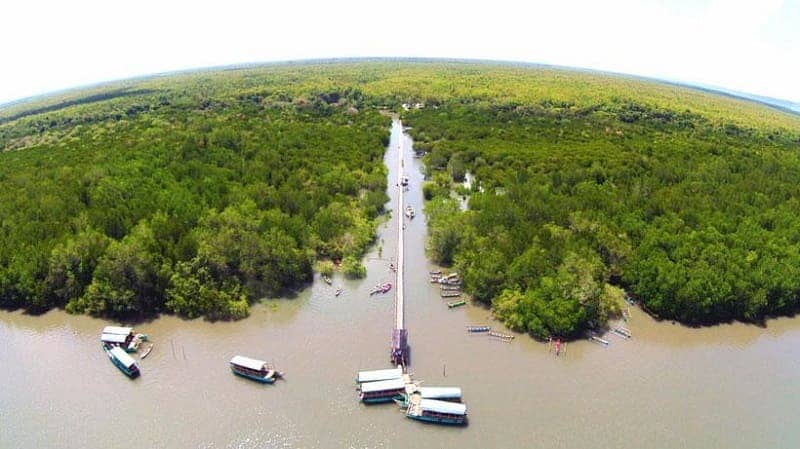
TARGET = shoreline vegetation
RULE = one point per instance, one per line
(199, 193)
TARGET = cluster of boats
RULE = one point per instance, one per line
(118, 342)
(440, 405)
(449, 287)
(381, 288)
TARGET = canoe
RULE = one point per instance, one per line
(454, 304)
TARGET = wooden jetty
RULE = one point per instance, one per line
(399, 352)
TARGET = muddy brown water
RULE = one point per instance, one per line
(732, 386)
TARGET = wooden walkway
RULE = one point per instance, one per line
(400, 351)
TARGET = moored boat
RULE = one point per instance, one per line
(454, 304)
(409, 212)
(450, 294)
(254, 369)
(327, 279)
(435, 411)
(122, 360)
(478, 328)
(504, 337)
(449, 394)
(622, 332)
(122, 337)
(382, 390)
(147, 351)
(379, 374)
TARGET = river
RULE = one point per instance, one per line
(732, 386)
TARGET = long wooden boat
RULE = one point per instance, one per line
(122, 360)
(478, 329)
(504, 337)
(621, 331)
(454, 304)
(435, 411)
(450, 294)
(379, 374)
(382, 390)
(597, 339)
(445, 287)
(254, 369)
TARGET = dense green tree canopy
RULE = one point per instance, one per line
(200, 193)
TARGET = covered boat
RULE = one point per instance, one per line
(449, 394)
(435, 411)
(122, 337)
(409, 212)
(254, 369)
(382, 390)
(379, 374)
(122, 360)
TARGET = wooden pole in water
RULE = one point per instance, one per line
(444, 370)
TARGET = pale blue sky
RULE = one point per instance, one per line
(750, 46)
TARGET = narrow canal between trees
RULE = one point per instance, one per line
(733, 386)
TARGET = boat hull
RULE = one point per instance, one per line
(378, 400)
(439, 420)
(261, 379)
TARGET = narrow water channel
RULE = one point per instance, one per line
(732, 386)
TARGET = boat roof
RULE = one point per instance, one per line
(440, 392)
(117, 330)
(247, 362)
(381, 374)
(114, 338)
(123, 356)
(453, 408)
(383, 385)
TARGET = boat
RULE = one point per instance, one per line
(404, 181)
(621, 331)
(449, 394)
(147, 351)
(450, 293)
(435, 272)
(478, 328)
(338, 291)
(382, 390)
(504, 337)
(381, 288)
(435, 411)
(409, 212)
(122, 360)
(327, 279)
(379, 374)
(454, 304)
(254, 369)
(597, 339)
(122, 337)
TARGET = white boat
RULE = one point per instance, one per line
(254, 369)
(380, 374)
(432, 410)
(409, 212)
(382, 390)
